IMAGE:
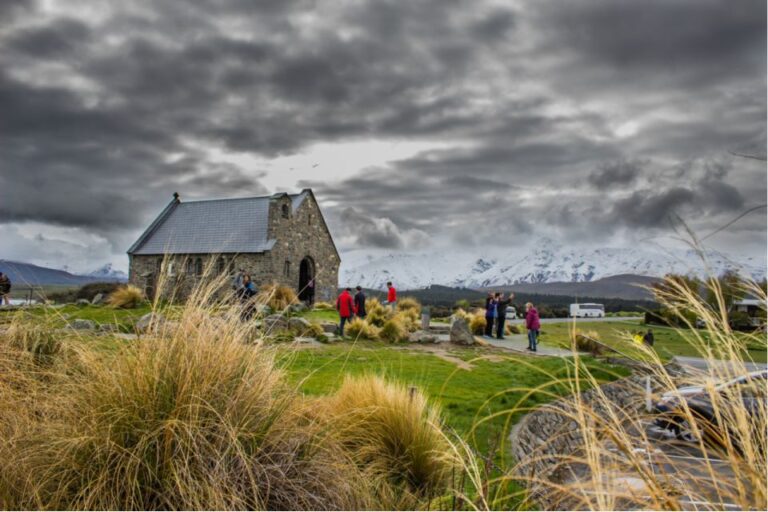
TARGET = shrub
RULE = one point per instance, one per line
(513, 329)
(395, 436)
(361, 329)
(324, 306)
(276, 296)
(125, 297)
(394, 330)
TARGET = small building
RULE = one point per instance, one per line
(753, 308)
(281, 238)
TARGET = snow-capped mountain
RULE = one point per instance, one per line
(543, 262)
(109, 273)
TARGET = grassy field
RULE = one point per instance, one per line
(668, 341)
(492, 382)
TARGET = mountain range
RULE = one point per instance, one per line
(543, 262)
(26, 274)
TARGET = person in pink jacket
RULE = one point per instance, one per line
(533, 325)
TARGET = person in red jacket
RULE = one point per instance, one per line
(391, 295)
(533, 325)
(345, 305)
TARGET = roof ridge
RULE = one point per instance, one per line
(238, 198)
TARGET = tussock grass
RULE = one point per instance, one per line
(324, 306)
(477, 323)
(376, 313)
(409, 304)
(35, 336)
(395, 437)
(395, 329)
(277, 297)
(360, 328)
(125, 297)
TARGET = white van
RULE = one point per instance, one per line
(587, 310)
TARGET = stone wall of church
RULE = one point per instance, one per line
(301, 234)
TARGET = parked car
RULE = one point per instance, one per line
(511, 312)
(670, 410)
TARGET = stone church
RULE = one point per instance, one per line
(281, 238)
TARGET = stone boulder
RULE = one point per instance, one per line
(460, 333)
(149, 321)
(299, 325)
(330, 327)
(274, 323)
(423, 337)
(299, 308)
(83, 302)
(108, 328)
(98, 299)
(81, 324)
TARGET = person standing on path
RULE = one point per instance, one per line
(648, 338)
(5, 289)
(345, 305)
(360, 303)
(501, 313)
(533, 325)
(490, 314)
(391, 296)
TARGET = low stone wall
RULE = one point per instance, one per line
(544, 438)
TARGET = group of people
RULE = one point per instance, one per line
(350, 306)
(5, 289)
(496, 315)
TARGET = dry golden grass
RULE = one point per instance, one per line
(409, 304)
(278, 297)
(125, 297)
(324, 306)
(377, 313)
(477, 323)
(395, 437)
(394, 330)
(361, 329)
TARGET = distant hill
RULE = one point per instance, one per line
(623, 286)
(26, 274)
(445, 297)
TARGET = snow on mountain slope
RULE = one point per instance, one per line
(544, 262)
(107, 272)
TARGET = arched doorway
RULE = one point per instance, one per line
(307, 280)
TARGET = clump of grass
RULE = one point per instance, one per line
(198, 420)
(277, 297)
(35, 336)
(377, 313)
(394, 436)
(409, 304)
(125, 297)
(394, 330)
(477, 323)
(512, 329)
(360, 328)
(324, 306)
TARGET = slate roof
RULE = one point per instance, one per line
(215, 226)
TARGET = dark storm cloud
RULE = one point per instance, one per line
(545, 115)
(615, 173)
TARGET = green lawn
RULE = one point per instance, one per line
(490, 386)
(123, 318)
(668, 341)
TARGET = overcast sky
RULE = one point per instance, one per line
(419, 124)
